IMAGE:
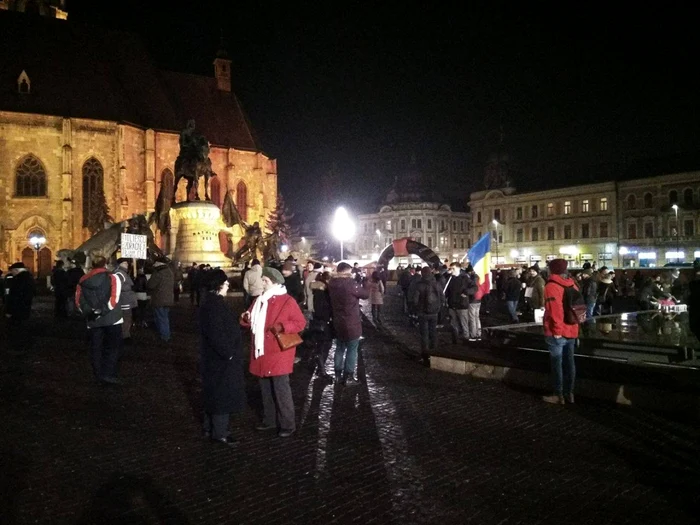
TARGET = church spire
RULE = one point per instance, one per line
(222, 67)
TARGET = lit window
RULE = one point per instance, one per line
(567, 207)
(388, 225)
(550, 208)
(603, 204)
(585, 207)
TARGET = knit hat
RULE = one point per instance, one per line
(558, 266)
(274, 275)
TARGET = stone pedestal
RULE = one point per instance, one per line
(194, 234)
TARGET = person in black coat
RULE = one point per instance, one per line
(321, 328)
(18, 306)
(221, 349)
(61, 289)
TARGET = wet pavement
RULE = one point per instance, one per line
(408, 445)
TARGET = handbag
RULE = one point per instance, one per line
(285, 340)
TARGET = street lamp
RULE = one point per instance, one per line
(342, 227)
(37, 240)
(379, 238)
(678, 247)
(495, 225)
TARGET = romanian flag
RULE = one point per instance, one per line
(479, 256)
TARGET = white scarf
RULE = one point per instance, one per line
(258, 315)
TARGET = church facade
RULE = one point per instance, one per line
(83, 111)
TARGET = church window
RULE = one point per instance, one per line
(30, 178)
(454, 226)
(242, 200)
(442, 224)
(24, 85)
(93, 188)
(215, 191)
(461, 226)
(388, 225)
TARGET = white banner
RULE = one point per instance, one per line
(133, 246)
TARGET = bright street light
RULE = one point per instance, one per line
(678, 232)
(37, 241)
(342, 228)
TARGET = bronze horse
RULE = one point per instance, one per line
(192, 169)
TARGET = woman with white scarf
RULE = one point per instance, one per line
(274, 311)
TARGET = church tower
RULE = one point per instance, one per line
(47, 8)
(222, 69)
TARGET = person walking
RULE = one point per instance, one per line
(160, 287)
(560, 336)
(376, 298)
(345, 294)
(252, 282)
(18, 306)
(273, 312)
(427, 298)
(221, 347)
(97, 298)
(127, 300)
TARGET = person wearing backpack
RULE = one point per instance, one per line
(427, 298)
(561, 330)
(97, 297)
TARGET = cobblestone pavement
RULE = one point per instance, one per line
(409, 445)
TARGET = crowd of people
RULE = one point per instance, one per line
(322, 303)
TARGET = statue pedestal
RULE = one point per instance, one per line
(194, 234)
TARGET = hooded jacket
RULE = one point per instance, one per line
(97, 297)
(554, 308)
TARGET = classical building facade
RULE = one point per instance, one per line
(83, 110)
(413, 209)
(626, 224)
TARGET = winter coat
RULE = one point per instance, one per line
(376, 292)
(308, 296)
(127, 299)
(74, 275)
(589, 290)
(606, 292)
(405, 281)
(61, 283)
(554, 308)
(20, 293)
(97, 297)
(456, 293)
(294, 287)
(512, 289)
(281, 309)
(419, 294)
(537, 297)
(252, 282)
(322, 301)
(345, 296)
(161, 285)
(221, 347)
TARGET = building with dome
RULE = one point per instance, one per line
(413, 208)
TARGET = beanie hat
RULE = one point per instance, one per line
(558, 266)
(274, 275)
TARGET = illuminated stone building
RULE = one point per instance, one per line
(83, 109)
(625, 224)
(413, 208)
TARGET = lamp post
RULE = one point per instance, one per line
(678, 243)
(495, 225)
(36, 241)
(342, 227)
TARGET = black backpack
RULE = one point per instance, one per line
(429, 299)
(574, 305)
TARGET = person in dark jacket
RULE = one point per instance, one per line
(97, 297)
(345, 294)
(18, 306)
(427, 297)
(513, 286)
(589, 290)
(458, 302)
(127, 299)
(61, 289)
(292, 281)
(160, 286)
(320, 329)
(74, 274)
(221, 346)
(404, 283)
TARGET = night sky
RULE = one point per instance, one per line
(359, 90)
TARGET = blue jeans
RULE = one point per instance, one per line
(561, 357)
(512, 310)
(346, 356)
(590, 309)
(161, 318)
(427, 324)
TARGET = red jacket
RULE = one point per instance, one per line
(281, 309)
(554, 308)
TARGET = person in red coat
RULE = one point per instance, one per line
(559, 335)
(274, 311)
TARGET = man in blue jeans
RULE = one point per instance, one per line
(560, 336)
(345, 294)
(160, 287)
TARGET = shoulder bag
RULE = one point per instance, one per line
(285, 340)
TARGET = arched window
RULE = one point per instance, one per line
(631, 202)
(648, 200)
(167, 181)
(673, 197)
(93, 189)
(242, 200)
(215, 191)
(688, 196)
(30, 178)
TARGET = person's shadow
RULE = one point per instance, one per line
(134, 500)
